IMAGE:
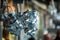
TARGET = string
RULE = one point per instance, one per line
(7, 6)
(27, 5)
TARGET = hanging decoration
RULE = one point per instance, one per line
(22, 20)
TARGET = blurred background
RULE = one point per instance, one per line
(48, 18)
